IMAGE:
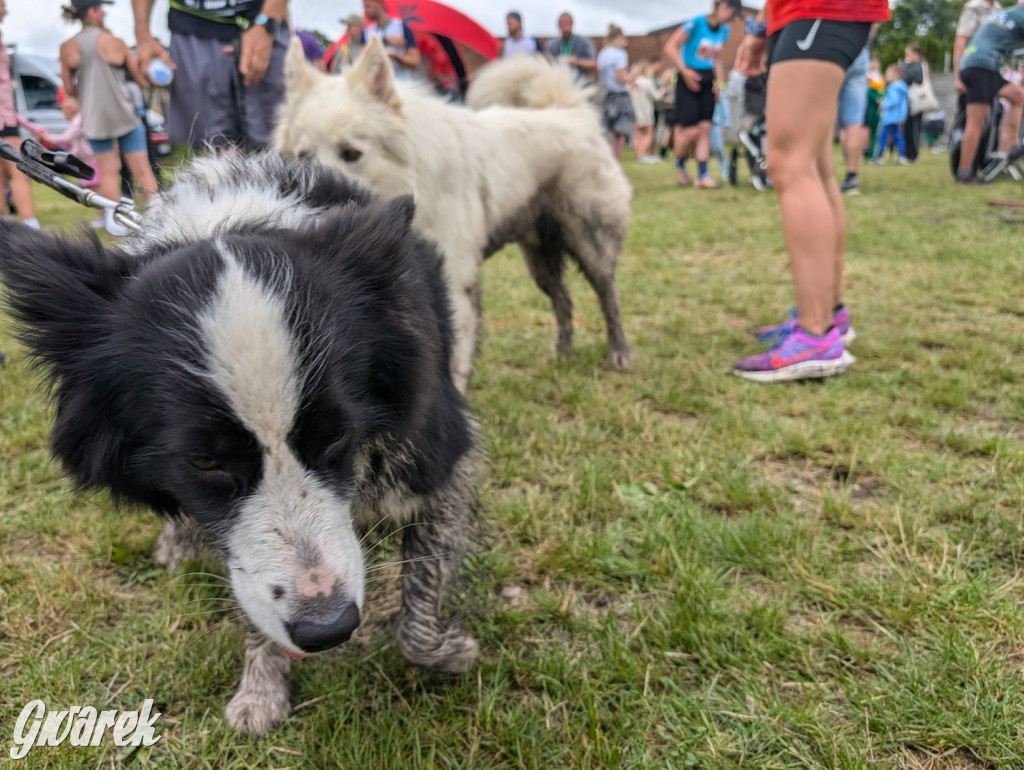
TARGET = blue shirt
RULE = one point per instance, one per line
(609, 62)
(895, 105)
(701, 50)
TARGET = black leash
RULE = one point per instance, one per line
(47, 166)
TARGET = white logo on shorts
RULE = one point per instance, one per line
(82, 727)
(807, 42)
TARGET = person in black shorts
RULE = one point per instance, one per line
(980, 74)
(694, 49)
(809, 45)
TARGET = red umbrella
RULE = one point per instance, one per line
(430, 16)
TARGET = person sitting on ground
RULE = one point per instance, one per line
(980, 72)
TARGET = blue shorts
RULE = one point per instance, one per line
(853, 96)
(133, 141)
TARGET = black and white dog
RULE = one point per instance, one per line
(267, 365)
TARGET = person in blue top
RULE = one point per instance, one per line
(980, 66)
(894, 109)
(694, 49)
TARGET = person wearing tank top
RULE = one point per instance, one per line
(21, 185)
(93, 65)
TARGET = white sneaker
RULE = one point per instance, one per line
(112, 226)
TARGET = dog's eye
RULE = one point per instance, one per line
(350, 155)
(336, 454)
(203, 463)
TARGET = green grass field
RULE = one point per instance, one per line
(681, 569)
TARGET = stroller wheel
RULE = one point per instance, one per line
(759, 178)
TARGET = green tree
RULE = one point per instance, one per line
(931, 23)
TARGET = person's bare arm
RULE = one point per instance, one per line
(69, 58)
(406, 55)
(132, 65)
(671, 50)
(257, 43)
(959, 46)
(750, 54)
(147, 47)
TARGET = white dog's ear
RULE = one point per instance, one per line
(373, 70)
(298, 75)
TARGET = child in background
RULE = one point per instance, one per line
(894, 110)
(71, 139)
(876, 90)
(644, 93)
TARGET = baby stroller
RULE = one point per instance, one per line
(752, 134)
(988, 161)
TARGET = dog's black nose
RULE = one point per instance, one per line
(323, 630)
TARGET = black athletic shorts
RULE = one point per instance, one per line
(838, 42)
(8, 131)
(693, 107)
(982, 84)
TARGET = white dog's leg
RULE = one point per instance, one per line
(263, 699)
(466, 315)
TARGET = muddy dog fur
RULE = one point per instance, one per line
(268, 366)
(540, 174)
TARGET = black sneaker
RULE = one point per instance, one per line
(849, 185)
(967, 177)
(1015, 153)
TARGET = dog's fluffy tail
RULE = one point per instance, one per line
(527, 81)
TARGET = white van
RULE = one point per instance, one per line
(36, 80)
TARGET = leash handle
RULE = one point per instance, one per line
(46, 167)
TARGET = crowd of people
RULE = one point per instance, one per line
(806, 65)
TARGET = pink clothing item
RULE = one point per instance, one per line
(8, 115)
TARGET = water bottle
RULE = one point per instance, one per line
(159, 73)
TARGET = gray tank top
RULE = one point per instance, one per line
(107, 111)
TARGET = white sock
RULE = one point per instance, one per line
(33, 223)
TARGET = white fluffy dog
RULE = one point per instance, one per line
(540, 174)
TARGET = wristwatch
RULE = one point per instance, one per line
(271, 25)
(756, 28)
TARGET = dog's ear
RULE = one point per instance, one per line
(373, 70)
(298, 75)
(60, 294)
(58, 290)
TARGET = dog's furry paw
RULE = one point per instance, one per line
(257, 712)
(452, 653)
(620, 359)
